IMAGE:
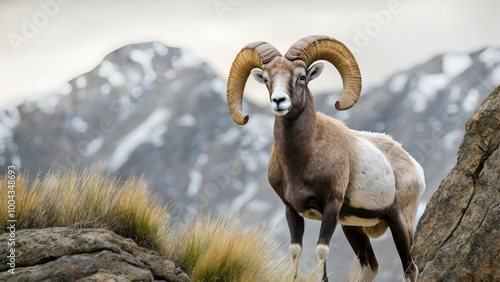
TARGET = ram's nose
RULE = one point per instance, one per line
(280, 103)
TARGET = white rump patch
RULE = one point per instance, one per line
(374, 185)
(419, 172)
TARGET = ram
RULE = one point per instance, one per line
(323, 170)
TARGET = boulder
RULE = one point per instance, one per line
(457, 238)
(68, 254)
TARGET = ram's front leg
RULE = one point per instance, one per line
(328, 223)
(296, 226)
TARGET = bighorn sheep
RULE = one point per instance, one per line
(323, 170)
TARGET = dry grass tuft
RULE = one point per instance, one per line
(220, 248)
(89, 199)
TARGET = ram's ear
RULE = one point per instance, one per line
(258, 74)
(314, 71)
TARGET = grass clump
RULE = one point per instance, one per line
(221, 248)
(89, 199)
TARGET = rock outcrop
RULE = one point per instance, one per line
(67, 254)
(457, 238)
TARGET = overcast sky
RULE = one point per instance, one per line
(44, 44)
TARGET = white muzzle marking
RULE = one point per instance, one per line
(280, 103)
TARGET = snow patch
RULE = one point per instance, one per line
(9, 119)
(176, 85)
(160, 48)
(16, 160)
(436, 125)
(65, 89)
(455, 64)
(94, 146)
(145, 59)
(186, 59)
(490, 56)
(250, 160)
(431, 83)
(428, 86)
(186, 120)
(79, 124)
(258, 132)
(229, 137)
(398, 83)
(149, 131)
(105, 89)
(136, 92)
(451, 138)
(110, 71)
(218, 85)
(195, 182)
(452, 109)
(48, 104)
(134, 77)
(259, 206)
(81, 82)
(471, 101)
(251, 190)
(170, 74)
(195, 175)
(454, 94)
(495, 76)
(278, 216)
(201, 160)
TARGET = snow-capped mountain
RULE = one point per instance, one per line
(160, 111)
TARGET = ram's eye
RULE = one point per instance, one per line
(265, 80)
(302, 77)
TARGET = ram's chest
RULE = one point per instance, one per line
(372, 184)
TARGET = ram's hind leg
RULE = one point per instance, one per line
(402, 233)
(367, 265)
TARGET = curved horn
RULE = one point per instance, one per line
(254, 55)
(317, 47)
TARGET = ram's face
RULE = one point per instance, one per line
(287, 82)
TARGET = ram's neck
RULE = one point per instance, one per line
(295, 138)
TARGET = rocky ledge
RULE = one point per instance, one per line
(68, 254)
